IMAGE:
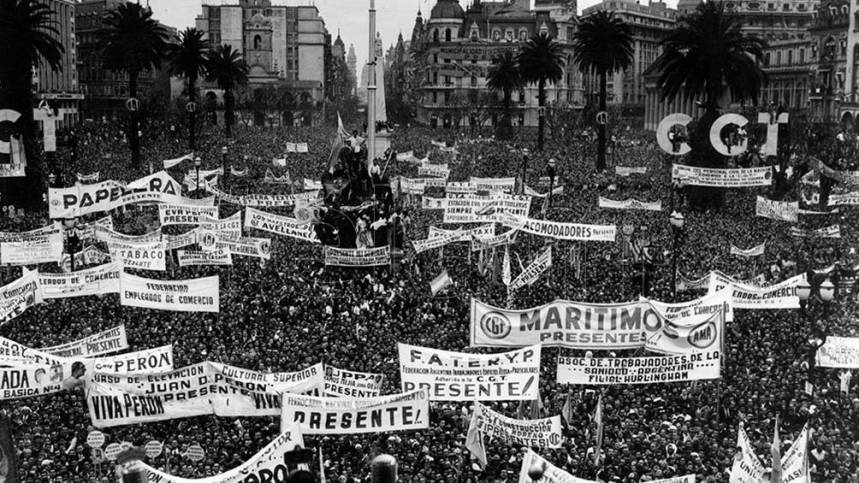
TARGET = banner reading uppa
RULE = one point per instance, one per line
(458, 376)
(839, 352)
(196, 295)
(100, 280)
(540, 433)
(343, 383)
(100, 343)
(382, 414)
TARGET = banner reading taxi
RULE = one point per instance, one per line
(458, 376)
(381, 414)
(195, 295)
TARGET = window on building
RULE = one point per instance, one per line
(257, 42)
(435, 58)
(801, 55)
(778, 58)
(447, 97)
(434, 97)
(435, 77)
(447, 35)
(435, 35)
(474, 81)
(447, 80)
(767, 59)
(789, 57)
(521, 96)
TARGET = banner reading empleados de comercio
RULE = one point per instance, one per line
(458, 376)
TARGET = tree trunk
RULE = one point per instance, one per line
(228, 111)
(541, 112)
(703, 198)
(192, 116)
(601, 127)
(505, 125)
(133, 138)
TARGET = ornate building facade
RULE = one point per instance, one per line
(61, 88)
(453, 49)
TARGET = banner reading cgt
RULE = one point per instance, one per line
(457, 376)
(319, 415)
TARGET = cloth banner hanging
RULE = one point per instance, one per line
(169, 163)
(559, 231)
(382, 414)
(19, 295)
(540, 433)
(839, 352)
(777, 210)
(44, 245)
(722, 178)
(751, 252)
(430, 203)
(100, 280)
(630, 170)
(533, 271)
(139, 256)
(469, 208)
(98, 344)
(260, 200)
(173, 242)
(343, 383)
(630, 204)
(195, 295)
(748, 296)
(466, 235)
(506, 185)
(458, 376)
(280, 225)
(184, 214)
(460, 187)
(204, 258)
(357, 257)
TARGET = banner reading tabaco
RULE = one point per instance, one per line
(458, 376)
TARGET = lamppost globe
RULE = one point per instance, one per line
(827, 291)
(677, 220)
(197, 162)
(224, 150)
(803, 290)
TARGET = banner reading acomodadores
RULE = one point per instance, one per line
(542, 433)
(343, 383)
(458, 376)
(839, 352)
(559, 231)
(100, 280)
(267, 465)
(382, 414)
(195, 295)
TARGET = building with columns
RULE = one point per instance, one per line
(649, 23)
(454, 46)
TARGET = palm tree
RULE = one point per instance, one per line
(602, 45)
(704, 57)
(541, 60)
(228, 69)
(28, 36)
(132, 42)
(188, 59)
(504, 77)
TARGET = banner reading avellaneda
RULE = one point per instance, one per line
(382, 414)
(357, 257)
(100, 343)
(343, 383)
(722, 178)
(839, 352)
(458, 376)
(266, 466)
(540, 433)
(100, 280)
(280, 225)
(578, 325)
(559, 231)
(195, 295)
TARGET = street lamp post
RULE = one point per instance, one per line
(224, 152)
(803, 292)
(197, 162)
(550, 170)
(524, 167)
(52, 180)
(677, 222)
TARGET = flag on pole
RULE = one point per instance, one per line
(534, 270)
(338, 144)
(536, 407)
(474, 442)
(506, 276)
(598, 419)
(567, 410)
(440, 283)
(321, 467)
(775, 475)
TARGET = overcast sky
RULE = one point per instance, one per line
(349, 16)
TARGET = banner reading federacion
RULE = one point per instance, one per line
(195, 295)
(458, 376)
(382, 414)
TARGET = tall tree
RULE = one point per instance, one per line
(602, 45)
(706, 57)
(28, 37)
(228, 70)
(504, 77)
(133, 42)
(188, 59)
(541, 61)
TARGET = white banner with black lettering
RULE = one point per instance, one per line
(196, 295)
(747, 296)
(540, 433)
(254, 393)
(172, 242)
(506, 185)
(533, 271)
(458, 376)
(280, 225)
(722, 178)
(437, 241)
(211, 230)
(202, 257)
(260, 200)
(184, 214)
(381, 414)
(98, 344)
(434, 170)
(630, 204)
(839, 352)
(751, 252)
(140, 256)
(343, 383)
(246, 246)
(629, 170)
(559, 231)
(44, 245)
(460, 187)
(472, 208)
(107, 235)
(844, 199)
(100, 280)
(639, 370)
(832, 231)
(777, 210)
(465, 235)
(19, 295)
(430, 203)
(357, 257)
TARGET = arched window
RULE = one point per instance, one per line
(435, 35)
(257, 42)
(447, 35)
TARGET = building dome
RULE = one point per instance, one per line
(447, 9)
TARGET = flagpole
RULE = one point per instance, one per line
(371, 89)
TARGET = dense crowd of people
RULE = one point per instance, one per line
(293, 312)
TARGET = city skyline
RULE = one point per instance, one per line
(393, 17)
